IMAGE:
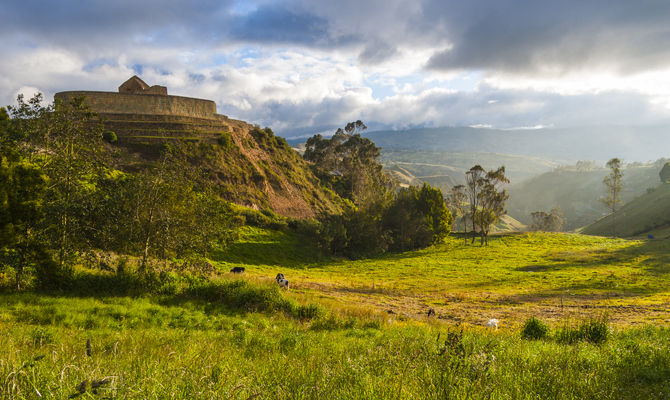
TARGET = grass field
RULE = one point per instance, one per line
(555, 276)
(332, 335)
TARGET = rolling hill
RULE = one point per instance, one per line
(648, 214)
(577, 193)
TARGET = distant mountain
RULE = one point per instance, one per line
(646, 215)
(562, 145)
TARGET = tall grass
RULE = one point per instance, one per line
(145, 349)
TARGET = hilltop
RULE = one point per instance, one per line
(251, 166)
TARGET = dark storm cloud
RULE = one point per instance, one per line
(71, 22)
(552, 37)
(518, 36)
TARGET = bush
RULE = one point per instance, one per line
(225, 140)
(534, 329)
(595, 330)
(592, 330)
(109, 137)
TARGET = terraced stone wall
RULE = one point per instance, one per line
(145, 104)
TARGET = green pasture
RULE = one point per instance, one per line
(516, 276)
(353, 329)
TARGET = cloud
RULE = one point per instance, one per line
(553, 38)
(301, 65)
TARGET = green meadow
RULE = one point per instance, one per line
(354, 329)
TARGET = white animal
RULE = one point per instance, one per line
(281, 281)
(492, 323)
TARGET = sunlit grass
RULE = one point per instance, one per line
(553, 275)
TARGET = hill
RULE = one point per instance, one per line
(251, 166)
(648, 214)
(577, 192)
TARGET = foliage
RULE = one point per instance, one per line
(457, 202)
(487, 198)
(594, 330)
(109, 137)
(418, 217)
(534, 329)
(166, 209)
(349, 165)
(552, 222)
(664, 174)
(354, 233)
(225, 139)
(613, 183)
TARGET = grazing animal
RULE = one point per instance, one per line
(492, 323)
(281, 281)
(237, 270)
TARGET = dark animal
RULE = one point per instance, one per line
(431, 312)
(237, 270)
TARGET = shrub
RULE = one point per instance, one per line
(534, 329)
(592, 330)
(225, 140)
(109, 137)
(595, 330)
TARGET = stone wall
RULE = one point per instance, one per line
(122, 103)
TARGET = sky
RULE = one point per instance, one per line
(310, 66)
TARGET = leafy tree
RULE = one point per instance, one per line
(354, 233)
(406, 223)
(614, 185)
(434, 210)
(552, 222)
(491, 198)
(474, 185)
(665, 173)
(457, 202)
(65, 141)
(349, 164)
(418, 217)
(22, 188)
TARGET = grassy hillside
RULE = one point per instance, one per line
(648, 214)
(251, 166)
(576, 193)
(353, 329)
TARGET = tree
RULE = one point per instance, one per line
(457, 204)
(65, 141)
(614, 184)
(22, 188)
(349, 164)
(492, 199)
(552, 222)
(665, 173)
(418, 217)
(474, 185)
